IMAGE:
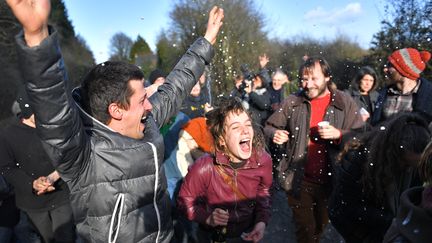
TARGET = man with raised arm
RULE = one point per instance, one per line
(106, 134)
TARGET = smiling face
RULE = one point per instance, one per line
(278, 80)
(131, 122)
(314, 83)
(238, 136)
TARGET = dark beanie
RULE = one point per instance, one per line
(155, 74)
(24, 103)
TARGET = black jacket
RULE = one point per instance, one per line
(23, 160)
(413, 222)
(355, 215)
(360, 100)
(193, 107)
(422, 102)
(259, 105)
(116, 182)
(351, 213)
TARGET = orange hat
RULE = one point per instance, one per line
(409, 62)
(197, 128)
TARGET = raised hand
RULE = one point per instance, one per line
(214, 23)
(33, 16)
(263, 60)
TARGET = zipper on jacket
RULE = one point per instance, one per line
(235, 195)
(155, 191)
(114, 228)
(235, 174)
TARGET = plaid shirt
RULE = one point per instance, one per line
(397, 102)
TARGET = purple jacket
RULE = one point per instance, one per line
(204, 189)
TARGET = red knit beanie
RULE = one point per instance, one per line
(409, 62)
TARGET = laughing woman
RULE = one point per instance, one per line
(227, 193)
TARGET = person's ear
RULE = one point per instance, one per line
(115, 111)
(222, 142)
(327, 79)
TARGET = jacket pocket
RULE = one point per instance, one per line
(116, 219)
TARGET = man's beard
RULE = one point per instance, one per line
(321, 91)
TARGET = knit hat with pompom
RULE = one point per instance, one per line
(409, 62)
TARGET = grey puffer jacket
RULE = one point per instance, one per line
(117, 184)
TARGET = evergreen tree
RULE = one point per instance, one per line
(77, 56)
(59, 19)
(167, 52)
(142, 56)
(407, 24)
(139, 47)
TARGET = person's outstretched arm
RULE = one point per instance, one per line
(168, 99)
(57, 120)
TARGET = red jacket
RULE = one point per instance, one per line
(204, 189)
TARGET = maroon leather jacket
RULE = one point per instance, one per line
(204, 189)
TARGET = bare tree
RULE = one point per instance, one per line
(407, 24)
(242, 37)
(120, 47)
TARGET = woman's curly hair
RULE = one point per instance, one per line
(216, 119)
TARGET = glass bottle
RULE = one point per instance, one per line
(219, 234)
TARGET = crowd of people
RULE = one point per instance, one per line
(125, 159)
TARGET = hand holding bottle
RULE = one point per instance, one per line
(218, 217)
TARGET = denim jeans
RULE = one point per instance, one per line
(25, 232)
(6, 234)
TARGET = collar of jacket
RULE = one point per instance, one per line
(260, 91)
(92, 123)
(86, 118)
(422, 102)
(412, 218)
(354, 92)
(336, 100)
(252, 162)
(373, 94)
